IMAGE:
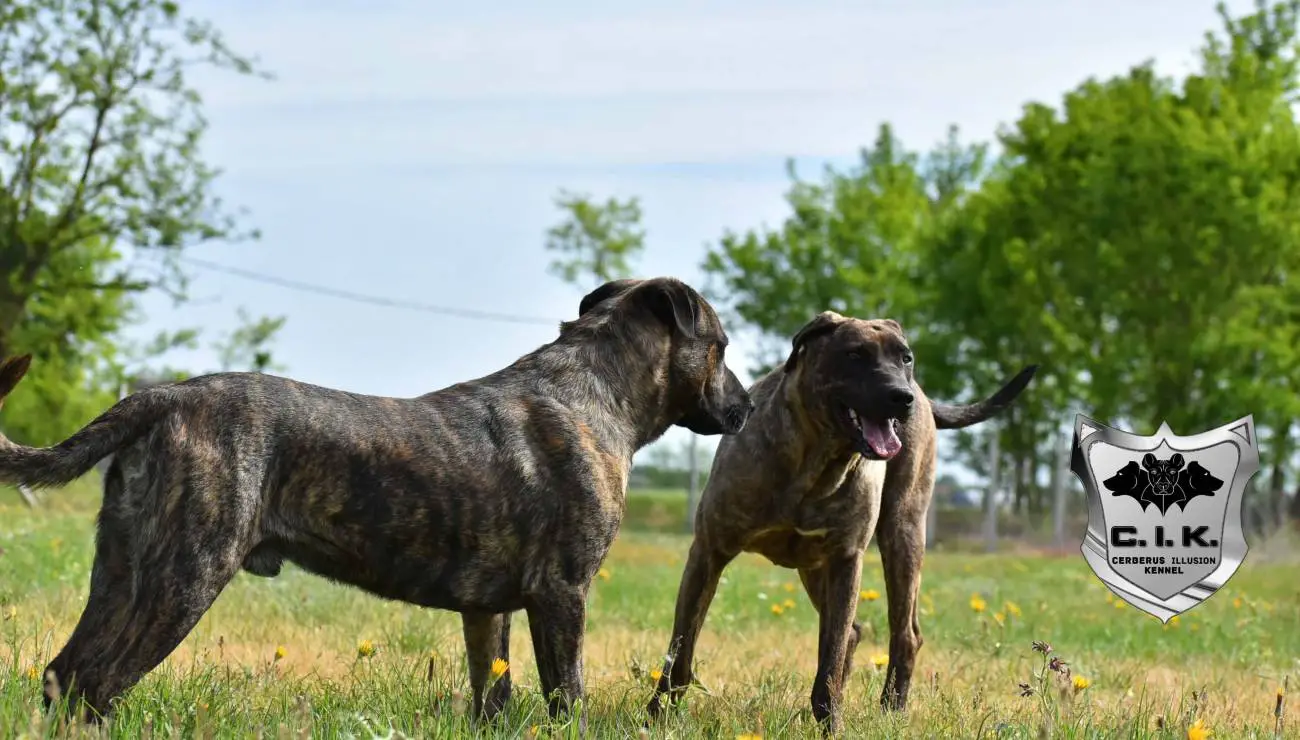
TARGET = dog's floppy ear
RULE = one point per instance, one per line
(824, 323)
(673, 302)
(611, 289)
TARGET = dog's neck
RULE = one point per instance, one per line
(810, 443)
(617, 387)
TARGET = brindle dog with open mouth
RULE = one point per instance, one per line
(484, 498)
(841, 436)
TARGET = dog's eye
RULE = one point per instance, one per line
(855, 356)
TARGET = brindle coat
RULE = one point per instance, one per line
(486, 497)
(800, 488)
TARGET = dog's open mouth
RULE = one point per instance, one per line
(873, 438)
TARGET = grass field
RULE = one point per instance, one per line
(292, 656)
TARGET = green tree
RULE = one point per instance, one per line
(102, 184)
(1141, 241)
(596, 242)
(249, 346)
(1153, 222)
(849, 244)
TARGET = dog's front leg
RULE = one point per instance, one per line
(699, 584)
(833, 637)
(487, 639)
(902, 550)
(556, 620)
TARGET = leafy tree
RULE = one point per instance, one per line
(102, 184)
(596, 242)
(1139, 241)
(848, 245)
(248, 347)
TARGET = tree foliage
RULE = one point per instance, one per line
(1140, 241)
(596, 242)
(102, 184)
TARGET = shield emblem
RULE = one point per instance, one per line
(1164, 512)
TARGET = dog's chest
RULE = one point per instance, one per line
(841, 505)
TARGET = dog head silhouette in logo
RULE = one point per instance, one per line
(1197, 481)
(1163, 482)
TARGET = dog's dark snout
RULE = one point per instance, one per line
(739, 413)
(901, 398)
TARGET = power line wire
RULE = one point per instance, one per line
(464, 313)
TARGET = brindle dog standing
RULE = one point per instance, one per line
(486, 497)
(802, 485)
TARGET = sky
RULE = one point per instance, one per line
(413, 150)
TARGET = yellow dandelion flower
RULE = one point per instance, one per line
(280, 652)
(870, 594)
(1120, 603)
(603, 573)
(1081, 683)
(749, 736)
(1011, 608)
(789, 587)
(1198, 731)
(1236, 603)
(365, 649)
(656, 674)
(499, 667)
(1110, 598)
(1000, 618)
(977, 603)
(776, 609)
(880, 660)
(33, 673)
(788, 603)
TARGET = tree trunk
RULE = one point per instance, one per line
(1277, 476)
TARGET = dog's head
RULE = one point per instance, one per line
(1199, 480)
(859, 374)
(1129, 479)
(704, 395)
(1164, 473)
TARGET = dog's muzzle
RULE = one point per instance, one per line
(736, 415)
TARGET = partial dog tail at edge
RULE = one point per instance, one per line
(958, 416)
(43, 467)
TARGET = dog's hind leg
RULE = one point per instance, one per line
(74, 674)
(704, 567)
(487, 639)
(185, 546)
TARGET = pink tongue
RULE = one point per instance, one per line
(881, 438)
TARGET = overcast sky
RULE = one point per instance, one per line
(413, 149)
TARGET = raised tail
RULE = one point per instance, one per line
(41, 467)
(957, 416)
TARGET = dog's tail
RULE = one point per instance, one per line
(41, 467)
(957, 416)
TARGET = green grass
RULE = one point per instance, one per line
(758, 666)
